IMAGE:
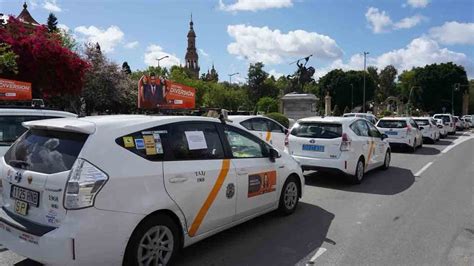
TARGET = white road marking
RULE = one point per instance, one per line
(456, 143)
(423, 169)
(315, 256)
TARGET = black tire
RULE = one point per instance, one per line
(386, 164)
(412, 149)
(162, 220)
(357, 177)
(288, 199)
(421, 144)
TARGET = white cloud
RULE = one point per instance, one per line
(454, 33)
(419, 52)
(63, 27)
(418, 3)
(51, 6)
(254, 5)
(379, 21)
(409, 22)
(275, 73)
(131, 45)
(272, 46)
(107, 39)
(202, 52)
(155, 51)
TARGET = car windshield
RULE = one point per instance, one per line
(392, 124)
(46, 151)
(422, 122)
(11, 127)
(317, 130)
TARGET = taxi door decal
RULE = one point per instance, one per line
(371, 149)
(210, 198)
(262, 183)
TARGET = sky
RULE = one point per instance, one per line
(231, 34)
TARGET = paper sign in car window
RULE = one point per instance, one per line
(140, 144)
(196, 140)
(158, 145)
(128, 142)
(149, 145)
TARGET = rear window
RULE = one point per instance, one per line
(445, 118)
(422, 122)
(392, 124)
(349, 115)
(317, 130)
(46, 151)
(11, 128)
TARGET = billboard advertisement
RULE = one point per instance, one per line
(157, 93)
(13, 90)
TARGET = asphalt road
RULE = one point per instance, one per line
(419, 212)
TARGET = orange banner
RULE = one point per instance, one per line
(13, 90)
(157, 93)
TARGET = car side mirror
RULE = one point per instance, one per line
(421, 128)
(384, 136)
(274, 154)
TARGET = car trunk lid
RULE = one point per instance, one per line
(316, 140)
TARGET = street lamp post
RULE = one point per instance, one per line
(230, 76)
(363, 94)
(159, 59)
(352, 97)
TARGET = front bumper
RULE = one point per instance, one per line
(89, 236)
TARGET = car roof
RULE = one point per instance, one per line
(422, 117)
(89, 124)
(329, 119)
(240, 118)
(368, 114)
(395, 118)
(32, 112)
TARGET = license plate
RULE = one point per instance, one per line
(308, 147)
(21, 207)
(391, 133)
(26, 195)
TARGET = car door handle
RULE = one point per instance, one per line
(178, 179)
(281, 166)
(242, 171)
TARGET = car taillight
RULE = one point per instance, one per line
(84, 182)
(346, 142)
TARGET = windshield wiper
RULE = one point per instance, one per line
(19, 164)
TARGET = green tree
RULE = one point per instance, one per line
(267, 105)
(471, 96)
(8, 59)
(256, 80)
(373, 73)
(126, 68)
(52, 23)
(387, 81)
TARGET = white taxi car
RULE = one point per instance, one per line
(133, 190)
(428, 128)
(448, 121)
(401, 131)
(347, 145)
(442, 129)
(263, 127)
(12, 117)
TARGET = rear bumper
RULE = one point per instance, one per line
(341, 165)
(404, 141)
(89, 236)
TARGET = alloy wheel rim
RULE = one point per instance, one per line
(291, 195)
(156, 246)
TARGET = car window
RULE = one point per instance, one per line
(247, 124)
(392, 123)
(11, 128)
(195, 141)
(317, 130)
(147, 143)
(274, 127)
(244, 145)
(413, 123)
(46, 151)
(445, 118)
(259, 124)
(422, 122)
(360, 128)
(373, 131)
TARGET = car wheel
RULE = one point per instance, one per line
(289, 196)
(155, 242)
(386, 162)
(413, 147)
(359, 172)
